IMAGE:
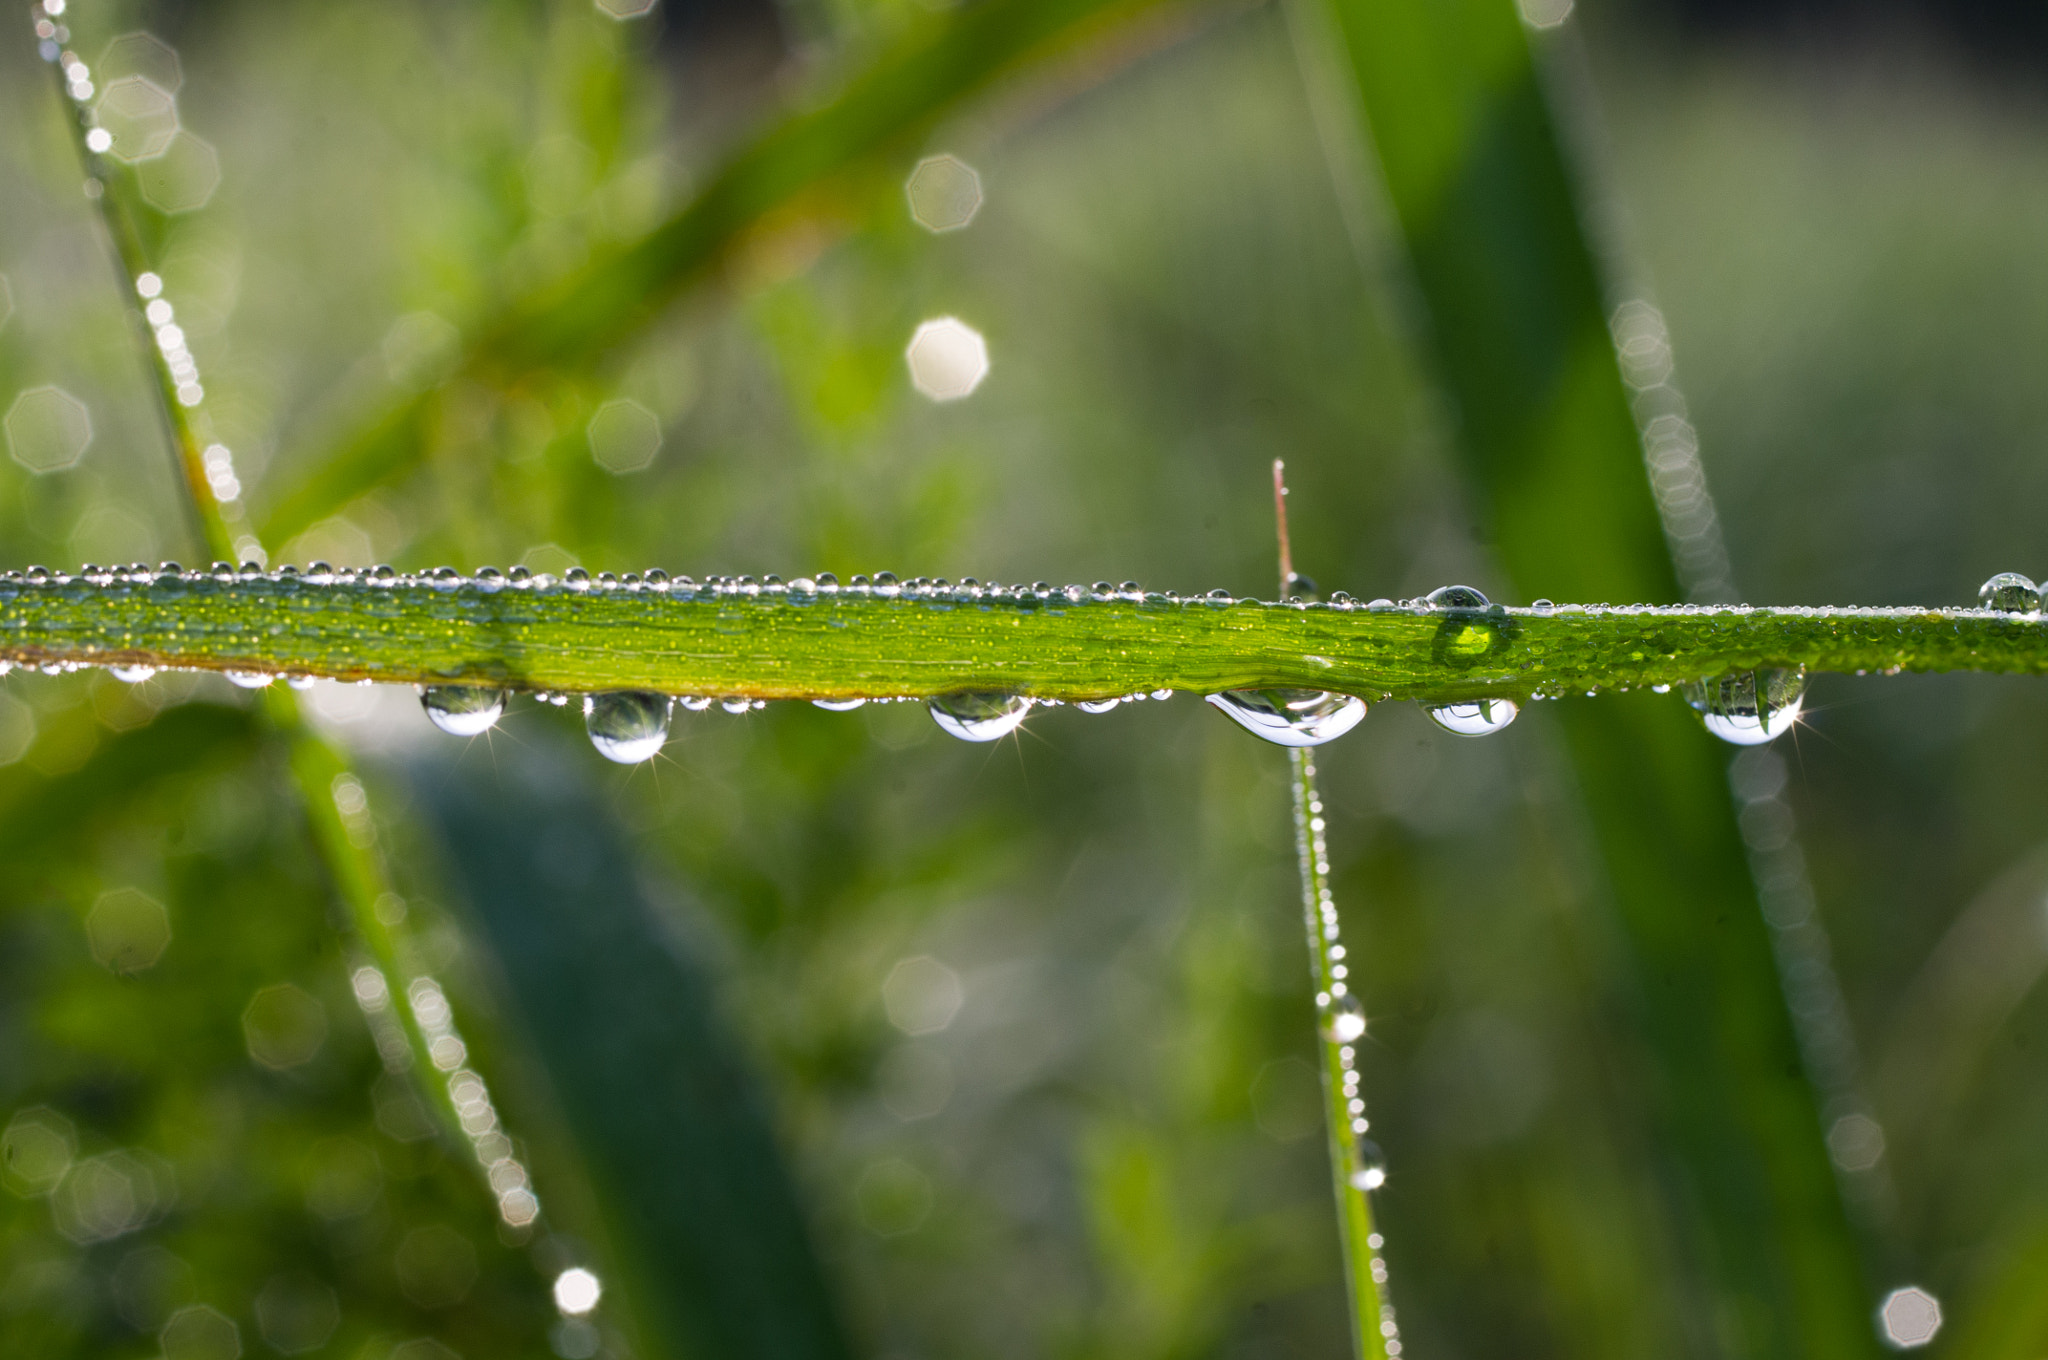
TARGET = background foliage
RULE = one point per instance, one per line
(1111, 1147)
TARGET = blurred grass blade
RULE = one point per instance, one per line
(569, 323)
(712, 1247)
(1447, 95)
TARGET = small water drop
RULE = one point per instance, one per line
(735, 705)
(1542, 606)
(131, 675)
(1097, 705)
(1456, 597)
(1749, 708)
(628, 726)
(1342, 1020)
(2010, 593)
(1476, 718)
(1303, 586)
(248, 679)
(838, 705)
(980, 716)
(1368, 1165)
(463, 710)
(1292, 717)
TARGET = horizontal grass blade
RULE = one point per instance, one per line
(941, 63)
(782, 643)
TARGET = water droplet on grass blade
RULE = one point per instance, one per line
(628, 726)
(1478, 718)
(1292, 717)
(1749, 708)
(131, 675)
(980, 716)
(1368, 1165)
(1097, 705)
(1342, 1019)
(1456, 597)
(838, 705)
(248, 679)
(2010, 593)
(463, 710)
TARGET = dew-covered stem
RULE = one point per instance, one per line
(807, 640)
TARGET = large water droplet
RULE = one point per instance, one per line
(131, 675)
(1097, 705)
(1292, 717)
(1478, 718)
(1749, 708)
(980, 716)
(1342, 1019)
(248, 679)
(1368, 1165)
(2010, 593)
(463, 710)
(838, 705)
(628, 726)
(1456, 597)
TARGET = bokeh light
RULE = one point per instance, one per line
(48, 429)
(624, 436)
(139, 118)
(948, 358)
(284, 1026)
(577, 1291)
(200, 1332)
(944, 193)
(36, 1149)
(1909, 1317)
(142, 54)
(128, 930)
(922, 995)
(183, 177)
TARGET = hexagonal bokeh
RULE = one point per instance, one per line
(948, 358)
(577, 1291)
(36, 1149)
(944, 193)
(284, 1026)
(142, 54)
(624, 9)
(624, 436)
(128, 930)
(922, 995)
(183, 178)
(1909, 1317)
(148, 1286)
(139, 117)
(107, 1196)
(200, 1333)
(1545, 13)
(296, 1313)
(436, 1265)
(48, 429)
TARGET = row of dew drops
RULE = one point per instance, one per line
(1747, 708)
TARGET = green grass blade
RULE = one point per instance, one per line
(704, 1223)
(775, 643)
(569, 323)
(1448, 97)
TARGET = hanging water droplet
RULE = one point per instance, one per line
(248, 679)
(628, 726)
(1097, 705)
(1749, 708)
(980, 716)
(1342, 1019)
(131, 675)
(1476, 718)
(1368, 1165)
(838, 705)
(1456, 597)
(2010, 593)
(463, 710)
(1292, 717)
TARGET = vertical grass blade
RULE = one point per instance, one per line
(1447, 96)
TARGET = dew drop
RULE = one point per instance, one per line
(1097, 705)
(463, 710)
(1368, 1165)
(1292, 717)
(1342, 1020)
(1456, 597)
(838, 705)
(1478, 718)
(248, 679)
(1542, 606)
(628, 726)
(980, 716)
(1749, 708)
(2010, 593)
(131, 675)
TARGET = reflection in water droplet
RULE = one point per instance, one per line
(1097, 705)
(838, 705)
(1456, 597)
(628, 726)
(980, 716)
(1368, 1165)
(1343, 1019)
(2010, 593)
(248, 679)
(1292, 717)
(463, 710)
(131, 675)
(1749, 708)
(1478, 718)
